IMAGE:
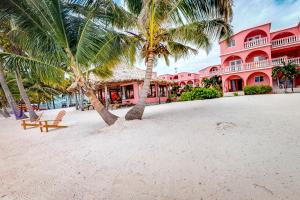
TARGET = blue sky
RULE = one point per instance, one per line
(247, 13)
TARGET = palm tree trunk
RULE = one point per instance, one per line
(9, 97)
(138, 110)
(108, 117)
(81, 100)
(293, 84)
(32, 115)
(76, 99)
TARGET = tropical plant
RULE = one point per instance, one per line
(160, 28)
(287, 71)
(206, 82)
(5, 44)
(200, 94)
(257, 89)
(55, 37)
(214, 81)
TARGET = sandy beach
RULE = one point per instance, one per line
(228, 148)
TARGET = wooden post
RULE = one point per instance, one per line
(106, 96)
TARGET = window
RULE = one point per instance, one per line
(128, 90)
(254, 38)
(163, 90)
(258, 58)
(235, 62)
(259, 79)
(189, 74)
(231, 43)
(152, 91)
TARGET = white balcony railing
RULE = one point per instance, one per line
(257, 65)
(294, 60)
(233, 68)
(254, 43)
(285, 41)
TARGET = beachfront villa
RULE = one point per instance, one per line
(250, 55)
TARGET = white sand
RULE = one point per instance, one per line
(229, 148)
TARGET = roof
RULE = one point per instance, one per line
(126, 74)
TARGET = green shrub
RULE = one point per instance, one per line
(257, 89)
(235, 94)
(200, 93)
(186, 96)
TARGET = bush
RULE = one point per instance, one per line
(200, 93)
(257, 89)
(186, 96)
(235, 94)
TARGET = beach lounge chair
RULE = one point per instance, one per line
(53, 123)
(27, 122)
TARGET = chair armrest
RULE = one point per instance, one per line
(50, 120)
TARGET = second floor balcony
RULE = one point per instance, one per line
(259, 65)
(256, 43)
(286, 41)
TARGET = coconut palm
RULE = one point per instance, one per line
(58, 37)
(5, 44)
(287, 71)
(160, 28)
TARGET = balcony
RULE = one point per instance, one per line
(233, 69)
(256, 43)
(259, 65)
(285, 41)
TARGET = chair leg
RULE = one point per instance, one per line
(24, 124)
(46, 126)
(41, 126)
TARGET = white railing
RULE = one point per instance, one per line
(286, 41)
(254, 65)
(254, 43)
(214, 73)
(233, 68)
(278, 61)
(295, 60)
(257, 65)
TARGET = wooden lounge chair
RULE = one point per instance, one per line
(53, 123)
(27, 122)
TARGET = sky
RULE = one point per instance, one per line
(246, 14)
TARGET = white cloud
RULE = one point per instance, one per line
(247, 13)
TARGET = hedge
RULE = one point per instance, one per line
(257, 89)
(200, 93)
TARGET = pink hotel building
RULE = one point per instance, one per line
(248, 59)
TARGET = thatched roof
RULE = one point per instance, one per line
(126, 74)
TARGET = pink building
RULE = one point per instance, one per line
(250, 55)
(183, 78)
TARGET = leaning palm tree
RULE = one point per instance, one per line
(57, 37)
(161, 28)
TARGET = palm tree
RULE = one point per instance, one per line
(10, 47)
(216, 82)
(287, 71)
(206, 82)
(5, 44)
(55, 37)
(160, 28)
